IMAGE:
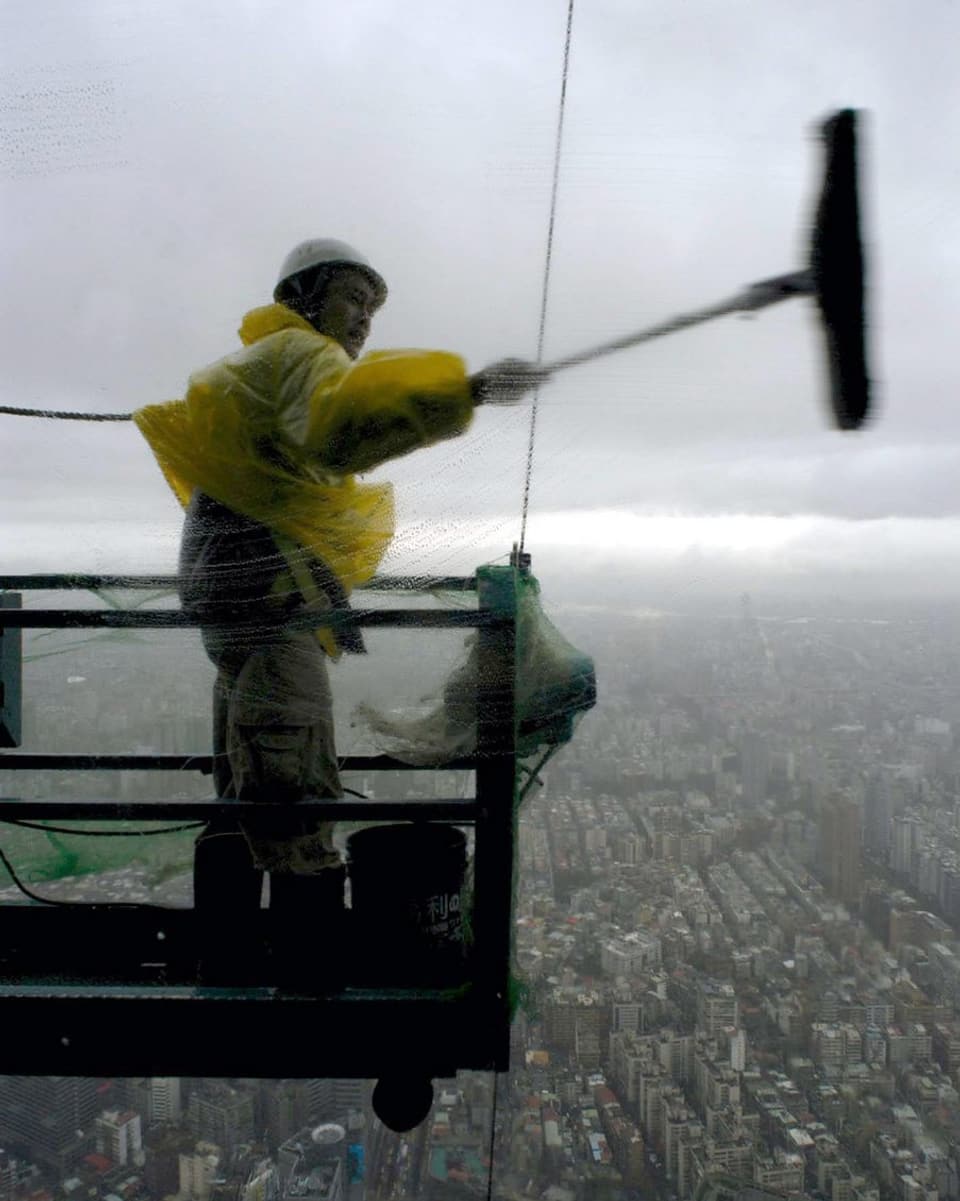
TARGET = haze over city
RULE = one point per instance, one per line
(737, 904)
(158, 163)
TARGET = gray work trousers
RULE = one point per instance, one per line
(273, 742)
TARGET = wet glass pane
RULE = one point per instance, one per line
(734, 893)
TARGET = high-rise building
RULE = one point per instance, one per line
(738, 1051)
(49, 1119)
(911, 1043)
(675, 1052)
(199, 1170)
(717, 1008)
(221, 1114)
(677, 1119)
(782, 1171)
(630, 954)
(119, 1137)
(904, 843)
(568, 1010)
(652, 1082)
(834, 1045)
(689, 1160)
(754, 767)
(840, 833)
(629, 1057)
(330, 1099)
(627, 848)
(627, 1016)
(732, 1155)
(885, 797)
(164, 1099)
(587, 1047)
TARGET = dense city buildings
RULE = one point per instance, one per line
(737, 926)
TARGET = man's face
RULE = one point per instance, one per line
(344, 307)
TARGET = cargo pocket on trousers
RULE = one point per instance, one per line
(273, 762)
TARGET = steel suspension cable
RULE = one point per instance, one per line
(493, 1136)
(548, 260)
(61, 415)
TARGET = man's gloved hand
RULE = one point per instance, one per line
(506, 382)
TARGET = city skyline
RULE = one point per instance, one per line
(725, 974)
(737, 898)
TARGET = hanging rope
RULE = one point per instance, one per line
(60, 415)
(546, 268)
(493, 1136)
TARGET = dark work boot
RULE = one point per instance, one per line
(307, 922)
(226, 899)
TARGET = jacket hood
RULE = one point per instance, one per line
(270, 319)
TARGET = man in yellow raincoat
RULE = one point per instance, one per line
(263, 452)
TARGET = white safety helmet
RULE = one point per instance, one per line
(319, 252)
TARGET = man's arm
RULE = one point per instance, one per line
(390, 403)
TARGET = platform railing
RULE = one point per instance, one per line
(470, 1029)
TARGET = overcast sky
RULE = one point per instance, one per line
(158, 159)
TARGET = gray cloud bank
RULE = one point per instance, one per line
(157, 160)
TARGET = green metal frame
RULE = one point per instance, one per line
(71, 976)
(11, 675)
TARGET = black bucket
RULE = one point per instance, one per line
(407, 896)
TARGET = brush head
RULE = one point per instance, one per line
(837, 268)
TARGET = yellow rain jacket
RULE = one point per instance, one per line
(277, 431)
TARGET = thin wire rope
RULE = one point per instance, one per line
(493, 1136)
(548, 261)
(62, 415)
(48, 829)
(113, 905)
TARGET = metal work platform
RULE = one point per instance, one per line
(112, 989)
